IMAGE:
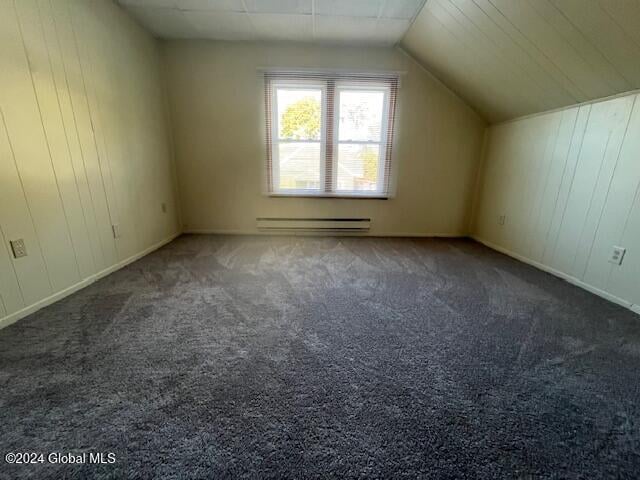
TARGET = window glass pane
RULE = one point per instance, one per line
(299, 114)
(358, 167)
(299, 165)
(361, 115)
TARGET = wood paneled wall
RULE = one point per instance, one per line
(569, 185)
(83, 146)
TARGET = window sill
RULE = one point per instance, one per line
(329, 195)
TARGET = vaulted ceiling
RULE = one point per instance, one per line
(510, 58)
(506, 58)
(370, 22)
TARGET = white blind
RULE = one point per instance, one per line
(329, 134)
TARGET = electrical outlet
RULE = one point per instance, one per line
(18, 248)
(617, 255)
(116, 230)
(502, 219)
(164, 207)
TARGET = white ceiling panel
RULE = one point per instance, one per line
(220, 25)
(345, 29)
(390, 29)
(360, 30)
(507, 58)
(213, 5)
(348, 8)
(149, 3)
(283, 27)
(367, 22)
(163, 22)
(302, 7)
(406, 9)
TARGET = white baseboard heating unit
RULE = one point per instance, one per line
(314, 225)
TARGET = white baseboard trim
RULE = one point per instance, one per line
(571, 279)
(15, 316)
(214, 231)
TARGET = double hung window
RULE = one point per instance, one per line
(329, 134)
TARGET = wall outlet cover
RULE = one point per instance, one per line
(617, 255)
(18, 248)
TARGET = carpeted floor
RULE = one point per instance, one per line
(299, 357)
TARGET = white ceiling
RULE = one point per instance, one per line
(364, 22)
(506, 58)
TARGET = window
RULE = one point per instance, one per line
(329, 135)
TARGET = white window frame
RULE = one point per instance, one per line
(276, 141)
(382, 144)
(329, 189)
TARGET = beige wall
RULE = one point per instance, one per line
(82, 146)
(217, 110)
(569, 185)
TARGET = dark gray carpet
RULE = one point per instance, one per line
(279, 357)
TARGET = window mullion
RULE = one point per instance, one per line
(329, 145)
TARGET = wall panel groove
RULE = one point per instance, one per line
(71, 129)
(590, 240)
(102, 157)
(28, 144)
(594, 179)
(43, 87)
(32, 274)
(61, 69)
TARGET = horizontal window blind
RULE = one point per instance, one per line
(329, 134)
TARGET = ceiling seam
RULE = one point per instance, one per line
(566, 41)
(535, 5)
(629, 83)
(620, 27)
(490, 111)
(523, 50)
(516, 44)
(313, 19)
(246, 11)
(509, 61)
(508, 20)
(411, 22)
(506, 61)
(579, 89)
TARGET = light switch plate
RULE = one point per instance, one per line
(502, 219)
(18, 248)
(116, 230)
(617, 255)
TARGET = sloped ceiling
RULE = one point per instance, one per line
(510, 58)
(361, 22)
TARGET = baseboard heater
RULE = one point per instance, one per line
(314, 225)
